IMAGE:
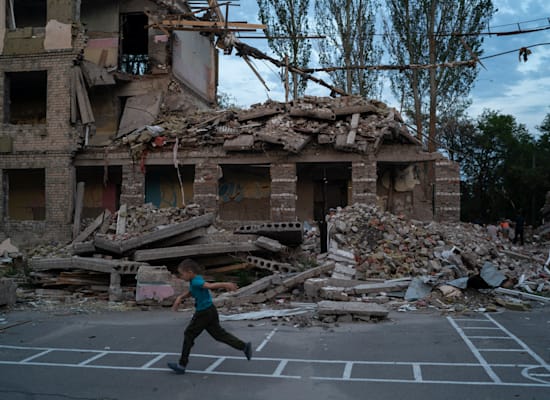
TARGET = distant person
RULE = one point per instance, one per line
(504, 227)
(205, 316)
(492, 230)
(519, 227)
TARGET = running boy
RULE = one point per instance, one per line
(205, 316)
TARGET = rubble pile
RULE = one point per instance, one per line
(387, 247)
(376, 261)
(349, 123)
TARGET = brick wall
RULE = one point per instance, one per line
(283, 192)
(205, 187)
(56, 134)
(59, 183)
(132, 192)
(447, 191)
(363, 181)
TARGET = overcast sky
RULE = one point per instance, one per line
(510, 86)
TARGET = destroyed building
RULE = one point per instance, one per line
(112, 102)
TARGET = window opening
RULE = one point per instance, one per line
(134, 57)
(26, 95)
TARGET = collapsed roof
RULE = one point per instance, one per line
(349, 123)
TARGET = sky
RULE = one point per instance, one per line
(507, 84)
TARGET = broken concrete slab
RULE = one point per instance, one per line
(206, 249)
(240, 143)
(270, 244)
(289, 233)
(282, 268)
(139, 111)
(369, 288)
(105, 215)
(355, 308)
(124, 246)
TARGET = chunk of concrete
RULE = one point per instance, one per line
(7, 292)
(355, 308)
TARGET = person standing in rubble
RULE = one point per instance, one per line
(205, 316)
(519, 227)
(504, 228)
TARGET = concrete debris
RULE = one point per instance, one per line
(376, 261)
(418, 289)
(273, 313)
(349, 123)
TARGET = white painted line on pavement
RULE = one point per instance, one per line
(215, 364)
(475, 352)
(154, 360)
(347, 370)
(523, 345)
(280, 368)
(266, 340)
(36, 356)
(417, 371)
(490, 337)
(89, 360)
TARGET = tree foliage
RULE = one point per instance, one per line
(349, 27)
(503, 168)
(287, 24)
(427, 32)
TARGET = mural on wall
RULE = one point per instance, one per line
(244, 193)
(162, 186)
(237, 191)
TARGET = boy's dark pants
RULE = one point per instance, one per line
(206, 319)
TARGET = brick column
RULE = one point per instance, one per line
(205, 186)
(447, 191)
(283, 192)
(132, 192)
(60, 184)
(363, 181)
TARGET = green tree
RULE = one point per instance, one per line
(428, 32)
(349, 27)
(499, 169)
(287, 27)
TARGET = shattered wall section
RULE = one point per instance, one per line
(36, 29)
(194, 63)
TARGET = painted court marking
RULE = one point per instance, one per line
(533, 374)
(499, 333)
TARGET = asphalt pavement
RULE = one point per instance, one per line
(411, 355)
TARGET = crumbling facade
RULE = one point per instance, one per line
(101, 109)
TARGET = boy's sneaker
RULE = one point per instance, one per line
(176, 367)
(248, 351)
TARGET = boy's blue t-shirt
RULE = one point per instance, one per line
(202, 296)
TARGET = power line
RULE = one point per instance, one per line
(514, 51)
